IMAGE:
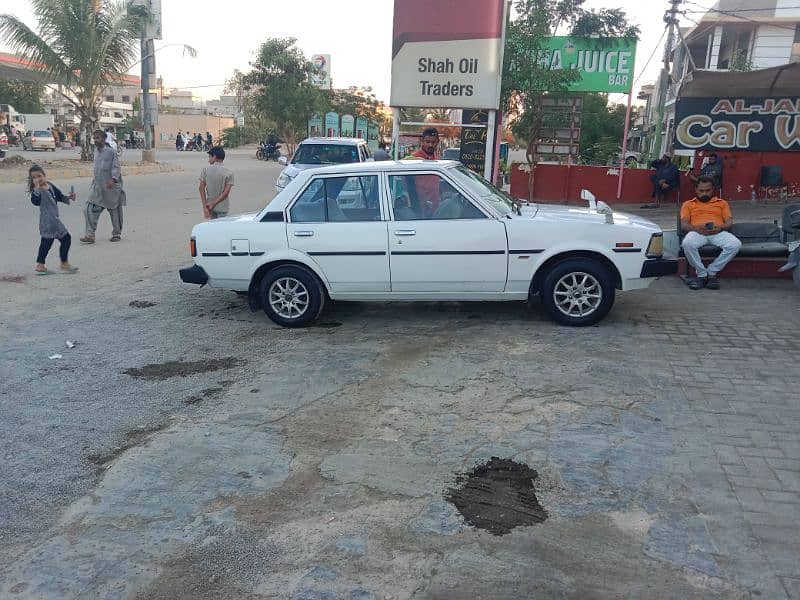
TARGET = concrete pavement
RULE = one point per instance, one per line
(188, 448)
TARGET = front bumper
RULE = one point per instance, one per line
(194, 274)
(659, 266)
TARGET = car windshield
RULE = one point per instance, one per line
(502, 202)
(325, 154)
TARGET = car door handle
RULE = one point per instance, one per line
(303, 233)
(405, 232)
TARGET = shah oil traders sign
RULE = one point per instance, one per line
(756, 124)
(447, 53)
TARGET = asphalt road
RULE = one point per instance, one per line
(188, 448)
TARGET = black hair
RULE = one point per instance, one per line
(101, 132)
(430, 131)
(31, 171)
(704, 179)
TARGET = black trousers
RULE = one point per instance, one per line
(47, 243)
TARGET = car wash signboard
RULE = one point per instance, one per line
(448, 53)
(757, 124)
(604, 64)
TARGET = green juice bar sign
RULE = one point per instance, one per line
(605, 64)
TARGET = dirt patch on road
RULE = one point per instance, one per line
(210, 393)
(142, 304)
(135, 437)
(498, 496)
(12, 278)
(179, 368)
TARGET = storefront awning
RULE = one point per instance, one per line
(776, 81)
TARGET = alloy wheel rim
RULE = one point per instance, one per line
(578, 294)
(288, 297)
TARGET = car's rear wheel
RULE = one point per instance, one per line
(578, 292)
(291, 296)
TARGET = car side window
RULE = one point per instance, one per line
(429, 198)
(339, 200)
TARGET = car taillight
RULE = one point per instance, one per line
(193, 247)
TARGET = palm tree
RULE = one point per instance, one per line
(82, 46)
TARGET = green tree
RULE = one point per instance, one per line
(281, 89)
(527, 80)
(602, 128)
(83, 45)
(24, 96)
(349, 102)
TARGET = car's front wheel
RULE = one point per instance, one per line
(578, 292)
(292, 296)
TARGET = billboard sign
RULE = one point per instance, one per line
(448, 53)
(332, 124)
(322, 78)
(361, 128)
(757, 124)
(348, 125)
(373, 133)
(473, 140)
(605, 64)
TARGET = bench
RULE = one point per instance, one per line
(759, 240)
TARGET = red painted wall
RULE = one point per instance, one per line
(559, 183)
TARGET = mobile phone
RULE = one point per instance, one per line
(709, 225)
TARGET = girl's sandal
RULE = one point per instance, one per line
(87, 240)
(45, 272)
(70, 270)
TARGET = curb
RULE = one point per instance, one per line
(20, 175)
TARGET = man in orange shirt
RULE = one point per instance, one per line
(706, 220)
(428, 186)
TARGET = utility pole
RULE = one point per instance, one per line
(665, 79)
(148, 72)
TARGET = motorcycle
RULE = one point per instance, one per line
(268, 152)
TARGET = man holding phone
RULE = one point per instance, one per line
(706, 220)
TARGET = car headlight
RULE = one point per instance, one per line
(283, 180)
(655, 249)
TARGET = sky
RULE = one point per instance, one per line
(357, 33)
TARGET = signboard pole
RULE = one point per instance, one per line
(396, 133)
(490, 133)
(624, 145)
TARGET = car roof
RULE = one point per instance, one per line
(384, 165)
(334, 140)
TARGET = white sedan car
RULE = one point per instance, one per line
(423, 230)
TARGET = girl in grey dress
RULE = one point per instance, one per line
(46, 196)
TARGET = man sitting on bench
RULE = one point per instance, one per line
(706, 220)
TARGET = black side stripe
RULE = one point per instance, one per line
(215, 254)
(445, 252)
(256, 254)
(626, 250)
(537, 251)
(240, 254)
(347, 253)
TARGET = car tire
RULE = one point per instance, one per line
(578, 292)
(303, 299)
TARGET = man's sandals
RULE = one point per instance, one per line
(711, 283)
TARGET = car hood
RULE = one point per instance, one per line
(245, 217)
(293, 169)
(561, 213)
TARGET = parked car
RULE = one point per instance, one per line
(3, 140)
(38, 140)
(316, 152)
(423, 230)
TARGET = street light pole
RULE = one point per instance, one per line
(665, 79)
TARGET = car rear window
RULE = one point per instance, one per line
(41, 133)
(325, 154)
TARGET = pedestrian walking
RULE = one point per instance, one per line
(46, 196)
(106, 191)
(216, 182)
(179, 141)
(381, 153)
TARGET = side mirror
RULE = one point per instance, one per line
(283, 160)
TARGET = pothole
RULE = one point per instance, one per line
(497, 496)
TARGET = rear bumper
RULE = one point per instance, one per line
(194, 274)
(659, 266)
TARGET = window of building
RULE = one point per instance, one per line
(109, 98)
(126, 98)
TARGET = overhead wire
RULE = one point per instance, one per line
(646, 64)
(735, 14)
